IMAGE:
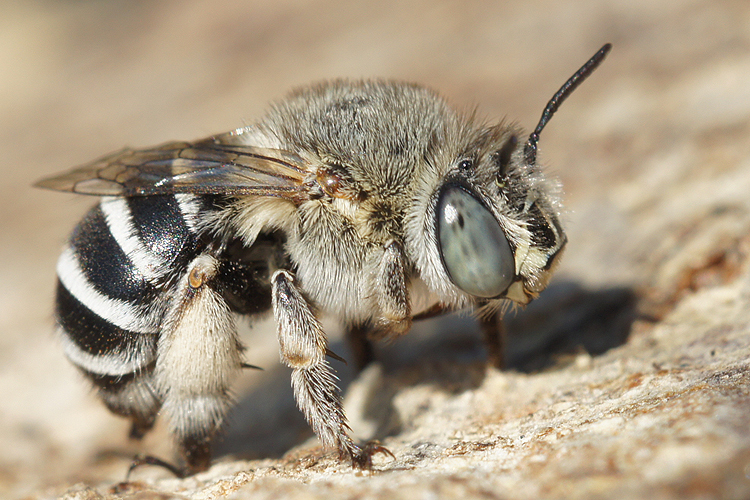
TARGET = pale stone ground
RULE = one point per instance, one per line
(654, 154)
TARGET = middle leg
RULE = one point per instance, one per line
(303, 347)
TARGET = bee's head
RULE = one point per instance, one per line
(491, 218)
(490, 227)
(496, 224)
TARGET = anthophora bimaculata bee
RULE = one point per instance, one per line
(372, 201)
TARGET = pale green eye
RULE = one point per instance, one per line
(475, 252)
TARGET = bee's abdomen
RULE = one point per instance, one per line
(114, 277)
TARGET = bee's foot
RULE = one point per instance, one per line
(362, 459)
(141, 460)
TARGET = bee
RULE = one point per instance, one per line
(371, 201)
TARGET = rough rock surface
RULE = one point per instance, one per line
(627, 379)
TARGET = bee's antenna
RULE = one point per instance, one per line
(557, 99)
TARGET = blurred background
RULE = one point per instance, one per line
(669, 108)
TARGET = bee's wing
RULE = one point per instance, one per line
(205, 167)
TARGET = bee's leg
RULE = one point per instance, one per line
(141, 460)
(493, 331)
(359, 345)
(131, 396)
(392, 293)
(303, 346)
(393, 301)
(198, 356)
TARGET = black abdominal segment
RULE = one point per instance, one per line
(103, 261)
(162, 228)
(94, 334)
(118, 278)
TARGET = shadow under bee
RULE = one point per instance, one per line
(446, 352)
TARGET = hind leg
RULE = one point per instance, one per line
(198, 356)
(131, 396)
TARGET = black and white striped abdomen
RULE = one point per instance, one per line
(113, 279)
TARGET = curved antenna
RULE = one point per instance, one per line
(560, 96)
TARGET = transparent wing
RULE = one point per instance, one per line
(205, 167)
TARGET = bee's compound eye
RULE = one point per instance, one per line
(475, 252)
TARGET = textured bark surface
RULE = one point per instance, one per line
(628, 378)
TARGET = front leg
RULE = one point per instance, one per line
(390, 289)
(392, 294)
(303, 347)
